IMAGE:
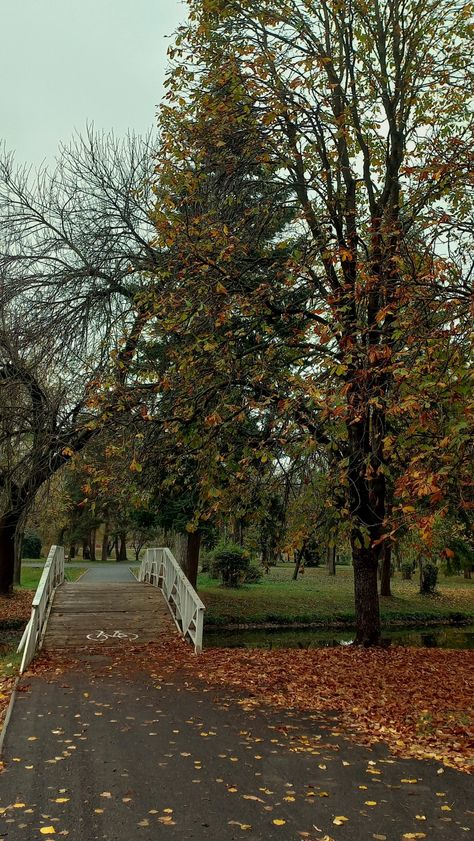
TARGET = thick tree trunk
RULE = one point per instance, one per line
(8, 526)
(181, 549)
(192, 556)
(122, 552)
(365, 562)
(331, 560)
(385, 569)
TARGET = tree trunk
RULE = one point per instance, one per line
(385, 569)
(122, 554)
(398, 556)
(331, 560)
(18, 549)
(467, 571)
(238, 531)
(8, 526)
(181, 549)
(365, 562)
(105, 542)
(92, 545)
(192, 556)
(298, 559)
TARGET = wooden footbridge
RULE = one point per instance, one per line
(80, 614)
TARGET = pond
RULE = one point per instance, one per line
(434, 636)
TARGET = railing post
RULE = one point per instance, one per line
(199, 630)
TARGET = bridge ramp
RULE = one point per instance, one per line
(109, 613)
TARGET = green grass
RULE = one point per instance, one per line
(319, 598)
(10, 661)
(30, 576)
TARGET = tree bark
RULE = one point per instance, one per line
(92, 545)
(366, 594)
(385, 569)
(8, 526)
(331, 560)
(192, 556)
(105, 542)
(122, 553)
(181, 549)
(298, 559)
(18, 549)
(238, 531)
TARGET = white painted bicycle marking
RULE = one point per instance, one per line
(101, 636)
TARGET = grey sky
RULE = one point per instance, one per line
(67, 62)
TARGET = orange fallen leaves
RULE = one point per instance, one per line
(418, 701)
(16, 608)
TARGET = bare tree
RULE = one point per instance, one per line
(76, 253)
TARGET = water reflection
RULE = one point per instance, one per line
(432, 637)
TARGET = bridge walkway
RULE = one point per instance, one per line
(83, 612)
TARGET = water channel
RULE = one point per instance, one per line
(433, 636)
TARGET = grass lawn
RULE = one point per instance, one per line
(319, 598)
(30, 576)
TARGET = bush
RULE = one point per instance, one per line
(253, 575)
(407, 570)
(31, 547)
(206, 561)
(429, 577)
(231, 564)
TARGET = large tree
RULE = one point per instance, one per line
(357, 113)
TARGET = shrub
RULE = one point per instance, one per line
(31, 547)
(206, 561)
(230, 564)
(253, 575)
(407, 570)
(428, 578)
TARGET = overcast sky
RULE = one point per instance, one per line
(67, 62)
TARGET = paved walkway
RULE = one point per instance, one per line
(106, 573)
(121, 758)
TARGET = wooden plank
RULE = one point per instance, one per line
(79, 610)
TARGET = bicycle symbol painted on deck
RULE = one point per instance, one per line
(101, 636)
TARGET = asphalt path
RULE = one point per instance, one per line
(107, 574)
(98, 756)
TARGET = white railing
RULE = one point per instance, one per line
(160, 568)
(52, 576)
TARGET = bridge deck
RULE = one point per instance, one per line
(81, 611)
